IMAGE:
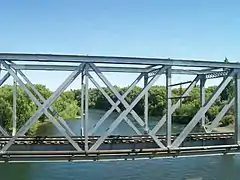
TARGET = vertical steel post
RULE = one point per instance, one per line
(237, 107)
(202, 97)
(14, 110)
(2, 80)
(82, 103)
(146, 129)
(86, 108)
(169, 105)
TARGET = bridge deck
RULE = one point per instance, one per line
(114, 147)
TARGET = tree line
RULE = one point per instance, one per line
(68, 104)
(157, 102)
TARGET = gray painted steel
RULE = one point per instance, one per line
(149, 70)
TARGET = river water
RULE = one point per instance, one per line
(185, 168)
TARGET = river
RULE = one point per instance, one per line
(190, 168)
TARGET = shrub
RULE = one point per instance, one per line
(226, 120)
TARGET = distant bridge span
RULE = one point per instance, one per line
(147, 143)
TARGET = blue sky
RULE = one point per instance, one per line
(175, 29)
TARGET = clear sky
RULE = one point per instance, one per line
(206, 29)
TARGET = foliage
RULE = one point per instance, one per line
(65, 105)
(226, 120)
(157, 101)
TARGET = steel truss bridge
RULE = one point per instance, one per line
(146, 143)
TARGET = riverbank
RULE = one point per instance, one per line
(229, 128)
(97, 114)
(35, 128)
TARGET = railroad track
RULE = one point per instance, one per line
(112, 139)
(113, 155)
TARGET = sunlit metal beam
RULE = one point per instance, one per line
(115, 60)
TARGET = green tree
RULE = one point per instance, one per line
(66, 105)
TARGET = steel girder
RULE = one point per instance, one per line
(168, 108)
(122, 69)
(14, 110)
(202, 96)
(150, 74)
(115, 60)
(237, 106)
(146, 129)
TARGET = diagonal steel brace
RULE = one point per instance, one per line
(116, 93)
(220, 115)
(175, 106)
(2, 80)
(43, 108)
(113, 104)
(177, 142)
(61, 120)
(153, 132)
(105, 116)
(125, 112)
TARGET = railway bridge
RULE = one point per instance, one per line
(146, 142)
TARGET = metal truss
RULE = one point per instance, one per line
(216, 74)
(202, 111)
(61, 120)
(43, 108)
(148, 69)
(129, 108)
(114, 106)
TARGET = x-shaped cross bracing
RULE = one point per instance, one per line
(115, 106)
(43, 108)
(116, 93)
(61, 120)
(129, 108)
